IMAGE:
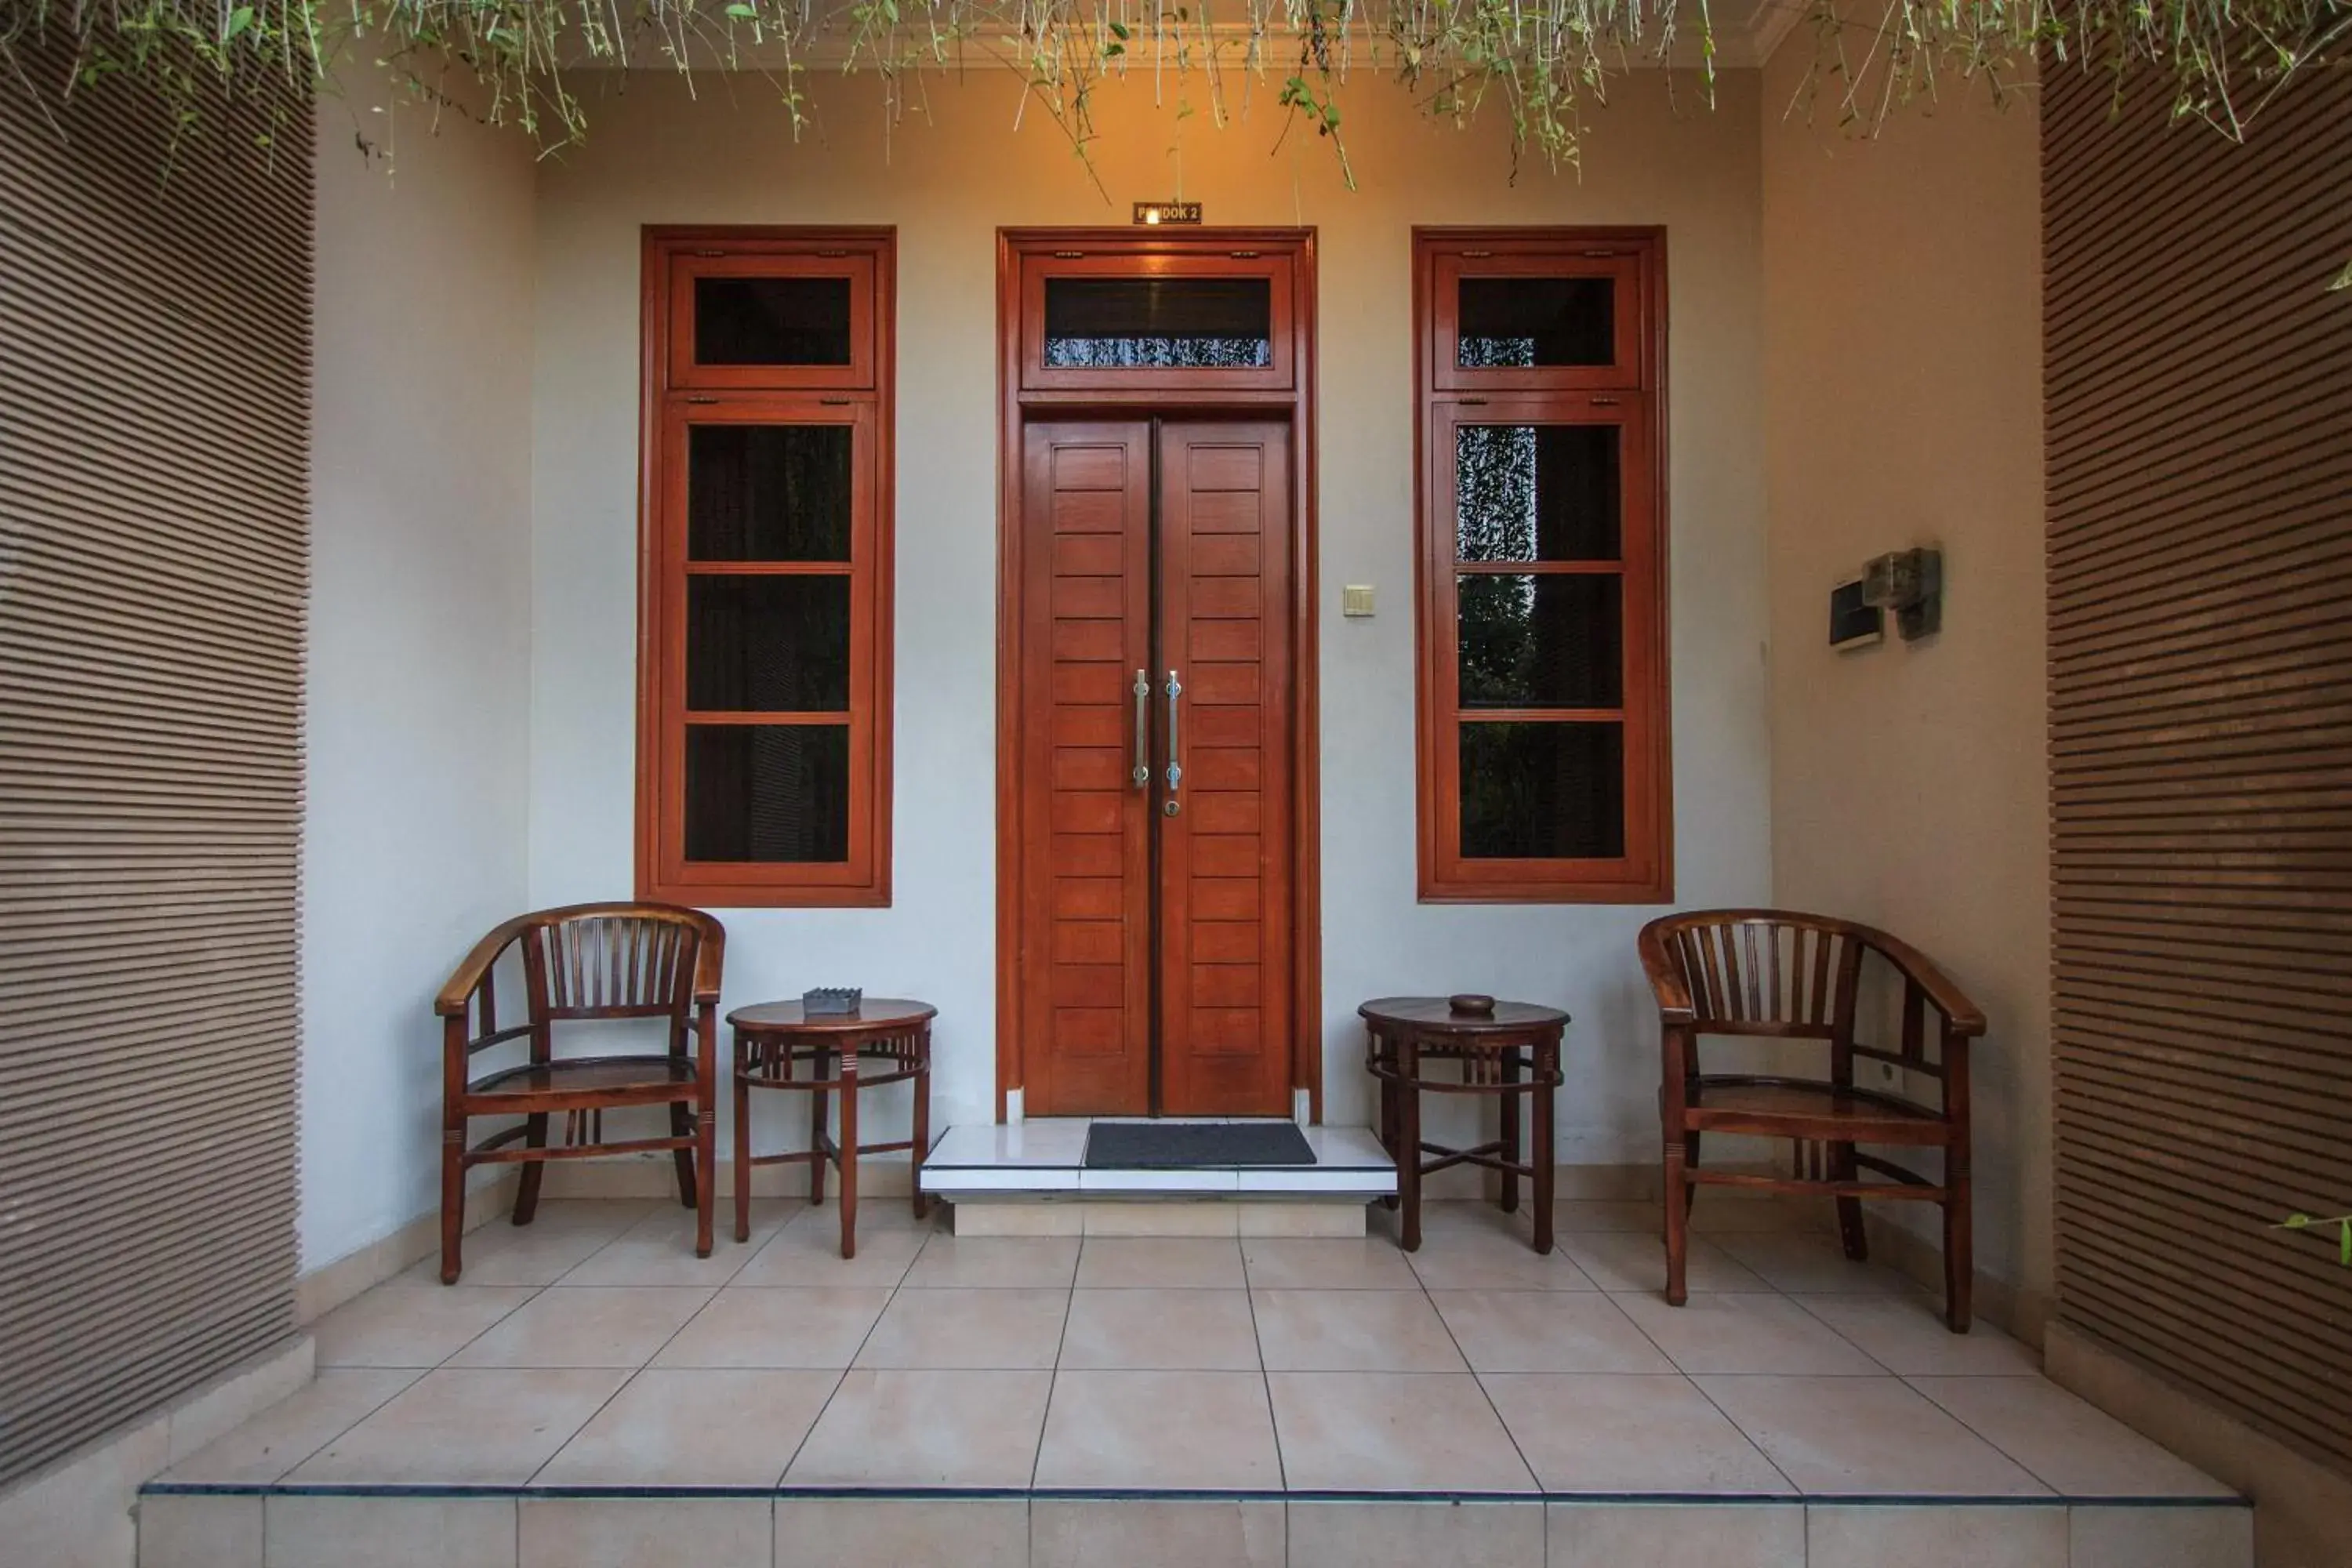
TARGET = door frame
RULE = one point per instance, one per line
(1295, 402)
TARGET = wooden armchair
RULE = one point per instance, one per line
(1781, 975)
(585, 962)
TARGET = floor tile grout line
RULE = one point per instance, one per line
(1266, 1386)
(634, 1373)
(1801, 1304)
(345, 1430)
(840, 1381)
(1985, 1437)
(532, 1293)
(753, 1251)
(1688, 1376)
(610, 1242)
(1454, 1340)
(1805, 1304)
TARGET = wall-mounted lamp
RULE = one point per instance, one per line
(1911, 583)
(1852, 623)
(1153, 214)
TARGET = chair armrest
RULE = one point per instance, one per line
(711, 959)
(1666, 976)
(470, 974)
(1964, 1015)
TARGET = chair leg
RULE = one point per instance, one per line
(1959, 1258)
(1849, 1210)
(681, 1125)
(526, 1203)
(453, 1200)
(1679, 1188)
(1690, 1190)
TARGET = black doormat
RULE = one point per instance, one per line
(1193, 1145)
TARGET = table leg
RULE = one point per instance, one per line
(848, 1152)
(1408, 1154)
(1508, 1068)
(1547, 1076)
(922, 1122)
(742, 1140)
(816, 1129)
(1387, 1108)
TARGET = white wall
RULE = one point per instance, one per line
(1903, 390)
(655, 156)
(417, 705)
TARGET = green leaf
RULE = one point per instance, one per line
(239, 20)
(747, 13)
(2296, 1222)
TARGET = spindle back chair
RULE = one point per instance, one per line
(583, 962)
(1780, 974)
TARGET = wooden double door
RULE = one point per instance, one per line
(1155, 618)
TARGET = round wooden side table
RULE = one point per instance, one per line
(1509, 1050)
(774, 1038)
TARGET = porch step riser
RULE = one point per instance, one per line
(992, 1215)
(758, 1530)
(1043, 1163)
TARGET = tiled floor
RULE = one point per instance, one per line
(594, 1353)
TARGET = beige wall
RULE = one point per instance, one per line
(1902, 406)
(656, 156)
(417, 702)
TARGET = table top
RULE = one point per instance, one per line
(1436, 1013)
(873, 1013)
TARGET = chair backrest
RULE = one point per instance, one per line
(1760, 972)
(615, 961)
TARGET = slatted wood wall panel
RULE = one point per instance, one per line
(2199, 474)
(154, 389)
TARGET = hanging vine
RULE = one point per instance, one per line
(1541, 62)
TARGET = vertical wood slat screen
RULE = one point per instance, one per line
(154, 406)
(2200, 481)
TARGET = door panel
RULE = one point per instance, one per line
(1224, 855)
(1085, 604)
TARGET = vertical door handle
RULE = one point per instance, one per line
(1142, 773)
(1174, 692)
(1175, 768)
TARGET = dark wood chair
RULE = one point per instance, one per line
(1776, 974)
(585, 962)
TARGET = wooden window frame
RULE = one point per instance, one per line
(1631, 395)
(678, 393)
(1195, 257)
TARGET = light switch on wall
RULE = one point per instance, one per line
(1356, 599)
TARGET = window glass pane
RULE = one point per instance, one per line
(1132, 323)
(768, 492)
(1536, 492)
(1543, 792)
(767, 792)
(1549, 641)
(771, 321)
(1522, 323)
(767, 645)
